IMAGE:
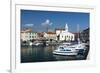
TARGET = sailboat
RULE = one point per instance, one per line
(71, 49)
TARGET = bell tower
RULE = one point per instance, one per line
(66, 27)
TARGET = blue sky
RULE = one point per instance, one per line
(36, 19)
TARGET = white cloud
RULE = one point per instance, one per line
(47, 22)
(29, 25)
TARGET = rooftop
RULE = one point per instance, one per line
(50, 32)
(26, 30)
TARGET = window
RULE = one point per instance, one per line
(71, 37)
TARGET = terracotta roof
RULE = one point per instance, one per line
(40, 34)
(76, 33)
(51, 33)
(27, 30)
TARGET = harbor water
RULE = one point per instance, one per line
(45, 54)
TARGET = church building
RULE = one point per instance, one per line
(64, 34)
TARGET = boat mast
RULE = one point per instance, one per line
(78, 33)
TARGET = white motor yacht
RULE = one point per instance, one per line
(64, 51)
(69, 50)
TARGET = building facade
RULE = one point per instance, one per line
(50, 35)
(27, 35)
(58, 35)
(84, 35)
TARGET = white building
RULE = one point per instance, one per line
(28, 35)
(50, 35)
(64, 34)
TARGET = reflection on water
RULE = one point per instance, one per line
(43, 54)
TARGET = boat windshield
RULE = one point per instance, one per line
(63, 49)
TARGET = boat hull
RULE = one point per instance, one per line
(65, 53)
